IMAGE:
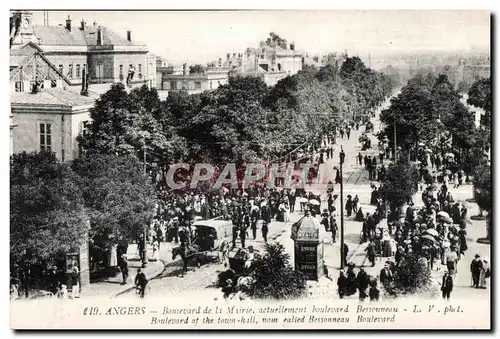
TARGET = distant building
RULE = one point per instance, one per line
(174, 81)
(270, 63)
(105, 55)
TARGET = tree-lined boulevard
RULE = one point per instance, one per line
(414, 159)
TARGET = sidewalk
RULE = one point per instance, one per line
(112, 286)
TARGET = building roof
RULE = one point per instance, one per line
(52, 97)
(60, 36)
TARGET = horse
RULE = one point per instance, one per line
(187, 253)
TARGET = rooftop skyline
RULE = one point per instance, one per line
(198, 37)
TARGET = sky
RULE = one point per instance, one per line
(198, 37)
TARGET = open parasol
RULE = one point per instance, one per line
(443, 214)
(432, 232)
(428, 237)
(314, 202)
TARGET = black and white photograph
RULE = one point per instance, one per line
(250, 169)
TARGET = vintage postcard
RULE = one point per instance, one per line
(322, 169)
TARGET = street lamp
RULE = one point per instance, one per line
(342, 254)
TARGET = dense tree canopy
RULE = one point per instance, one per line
(119, 199)
(429, 110)
(480, 94)
(47, 216)
(400, 183)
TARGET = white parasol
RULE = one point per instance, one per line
(443, 214)
(314, 202)
(432, 232)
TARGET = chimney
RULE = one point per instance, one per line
(95, 23)
(234, 55)
(184, 69)
(84, 90)
(68, 23)
(99, 36)
(228, 55)
(292, 46)
(82, 25)
(129, 36)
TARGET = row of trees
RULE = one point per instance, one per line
(430, 111)
(244, 120)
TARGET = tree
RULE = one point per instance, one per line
(275, 40)
(196, 69)
(230, 122)
(411, 276)
(400, 183)
(118, 196)
(480, 96)
(482, 193)
(47, 216)
(124, 123)
(413, 114)
(274, 277)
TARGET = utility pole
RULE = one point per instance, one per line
(145, 250)
(342, 254)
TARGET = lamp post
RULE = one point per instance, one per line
(145, 249)
(342, 254)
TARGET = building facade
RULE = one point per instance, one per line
(269, 62)
(209, 80)
(50, 120)
(105, 55)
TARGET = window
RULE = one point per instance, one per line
(150, 70)
(184, 85)
(70, 72)
(210, 85)
(120, 72)
(61, 69)
(139, 69)
(197, 85)
(173, 85)
(78, 75)
(45, 136)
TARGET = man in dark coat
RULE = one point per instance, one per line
(348, 206)
(325, 220)
(266, 219)
(475, 268)
(342, 285)
(334, 228)
(385, 275)
(447, 285)
(140, 282)
(236, 220)
(362, 281)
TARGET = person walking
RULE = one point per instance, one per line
(124, 268)
(141, 282)
(342, 285)
(348, 205)
(334, 228)
(447, 285)
(475, 267)
(75, 282)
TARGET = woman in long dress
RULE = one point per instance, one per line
(113, 259)
(156, 250)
